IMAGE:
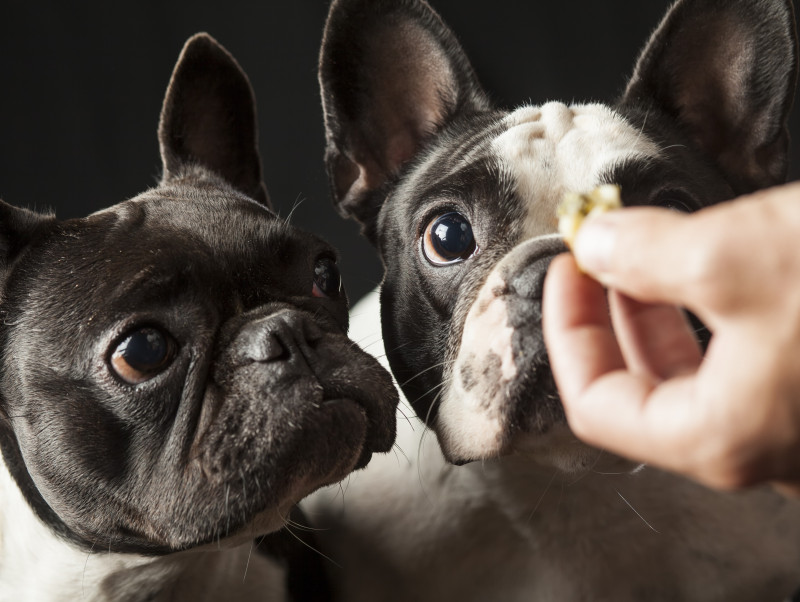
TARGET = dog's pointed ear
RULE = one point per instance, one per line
(18, 228)
(726, 70)
(209, 118)
(391, 74)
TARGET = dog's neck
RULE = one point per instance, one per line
(35, 564)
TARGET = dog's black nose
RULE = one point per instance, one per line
(525, 274)
(279, 336)
(528, 282)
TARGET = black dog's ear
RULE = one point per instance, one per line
(18, 228)
(726, 70)
(209, 118)
(391, 75)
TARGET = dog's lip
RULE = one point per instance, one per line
(375, 440)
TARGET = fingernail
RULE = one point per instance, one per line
(594, 245)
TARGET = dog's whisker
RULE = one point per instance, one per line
(298, 201)
(399, 450)
(637, 512)
(312, 548)
(588, 470)
(398, 347)
(406, 417)
(249, 555)
(85, 566)
(428, 369)
(227, 512)
(435, 401)
(341, 492)
(671, 146)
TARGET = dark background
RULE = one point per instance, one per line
(81, 85)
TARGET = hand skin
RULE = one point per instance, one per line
(631, 375)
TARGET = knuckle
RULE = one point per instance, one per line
(707, 276)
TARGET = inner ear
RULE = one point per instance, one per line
(726, 71)
(392, 75)
(411, 97)
(209, 118)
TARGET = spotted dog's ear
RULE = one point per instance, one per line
(209, 118)
(391, 74)
(726, 70)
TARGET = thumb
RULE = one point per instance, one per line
(645, 252)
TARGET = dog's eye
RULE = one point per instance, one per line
(327, 279)
(676, 200)
(142, 354)
(448, 239)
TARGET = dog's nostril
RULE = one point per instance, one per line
(279, 337)
(265, 347)
(272, 349)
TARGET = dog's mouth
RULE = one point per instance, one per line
(375, 440)
(246, 480)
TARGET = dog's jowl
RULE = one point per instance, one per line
(175, 373)
(460, 199)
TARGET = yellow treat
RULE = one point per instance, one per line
(577, 207)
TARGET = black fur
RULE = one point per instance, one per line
(221, 434)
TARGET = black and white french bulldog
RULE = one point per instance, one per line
(460, 199)
(175, 373)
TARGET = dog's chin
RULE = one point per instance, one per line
(336, 444)
(215, 499)
(267, 516)
(355, 435)
(521, 414)
(533, 430)
(553, 447)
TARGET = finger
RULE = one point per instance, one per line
(645, 252)
(607, 405)
(577, 328)
(656, 340)
(631, 416)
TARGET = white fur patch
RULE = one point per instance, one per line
(38, 566)
(470, 423)
(557, 148)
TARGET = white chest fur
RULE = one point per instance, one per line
(412, 527)
(36, 566)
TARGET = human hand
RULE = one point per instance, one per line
(643, 389)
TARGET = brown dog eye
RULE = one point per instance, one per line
(142, 354)
(448, 239)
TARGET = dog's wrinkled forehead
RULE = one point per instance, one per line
(223, 246)
(555, 148)
(534, 154)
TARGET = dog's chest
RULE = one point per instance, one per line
(37, 566)
(419, 529)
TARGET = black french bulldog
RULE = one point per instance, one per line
(175, 372)
(460, 199)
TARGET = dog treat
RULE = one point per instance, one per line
(577, 207)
